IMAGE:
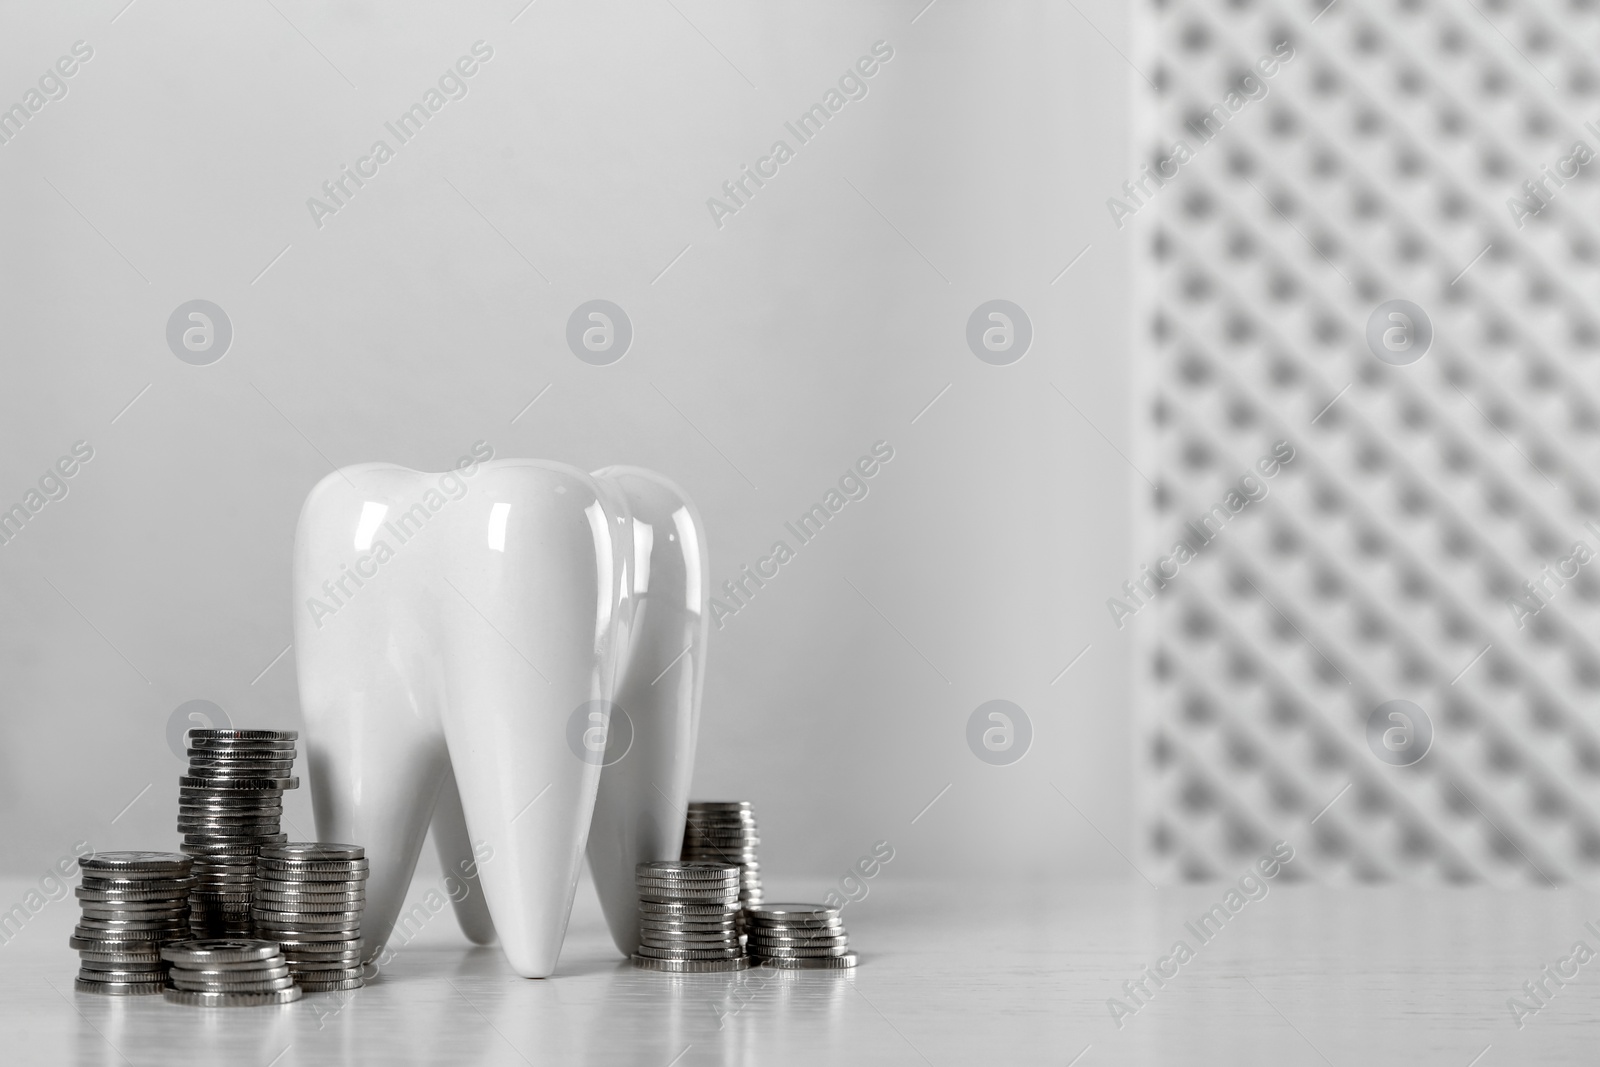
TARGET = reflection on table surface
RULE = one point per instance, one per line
(949, 974)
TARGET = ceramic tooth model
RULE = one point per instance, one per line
(462, 640)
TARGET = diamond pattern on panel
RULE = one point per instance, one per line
(1409, 150)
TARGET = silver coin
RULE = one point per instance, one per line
(232, 1000)
(827, 963)
(134, 882)
(152, 958)
(728, 952)
(118, 989)
(133, 977)
(241, 785)
(796, 953)
(106, 898)
(303, 933)
(727, 893)
(291, 895)
(738, 963)
(226, 950)
(264, 986)
(687, 871)
(332, 987)
(268, 920)
(668, 927)
(307, 879)
(231, 805)
(334, 969)
(319, 850)
(134, 865)
(136, 887)
(795, 912)
(241, 768)
(698, 885)
(779, 940)
(689, 938)
(691, 912)
(208, 734)
(253, 971)
(165, 916)
(340, 952)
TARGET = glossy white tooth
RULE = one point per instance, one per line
(644, 787)
(374, 743)
(485, 617)
(527, 607)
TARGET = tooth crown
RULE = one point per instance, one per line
(473, 621)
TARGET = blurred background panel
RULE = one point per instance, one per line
(1377, 244)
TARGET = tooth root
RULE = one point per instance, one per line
(375, 750)
(454, 846)
(639, 809)
(528, 643)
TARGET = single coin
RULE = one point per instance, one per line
(307, 863)
(655, 896)
(130, 977)
(241, 769)
(796, 953)
(720, 805)
(667, 910)
(155, 927)
(684, 869)
(201, 801)
(309, 879)
(319, 850)
(344, 957)
(688, 938)
(655, 888)
(755, 917)
(224, 733)
(264, 985)
(221, 950)
(152, 964)
(690, 953)
(332, 987)
(162, 917)
(240, 785)
(308, 933)
(232, 1000)
(119, 896)
(137, 885)
(267, 920)
(803, 963)
(125, 864)
(333, 896)
(152, 958)
(118, 989)
(795, 912)
(238, 971)
(738, 963)
(668, 925)
(695, 885)
(333, 969)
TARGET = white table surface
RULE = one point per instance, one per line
(982, 973)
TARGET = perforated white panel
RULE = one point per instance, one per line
(1382, 562)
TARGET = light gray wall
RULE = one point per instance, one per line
(427, 312)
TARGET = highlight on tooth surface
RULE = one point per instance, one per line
(450, 628)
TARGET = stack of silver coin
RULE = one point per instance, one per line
(724, 831)
(133, 904)
(232, 972)
(687, 917)
(309, 898)
(797, 936)
(229, 805)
